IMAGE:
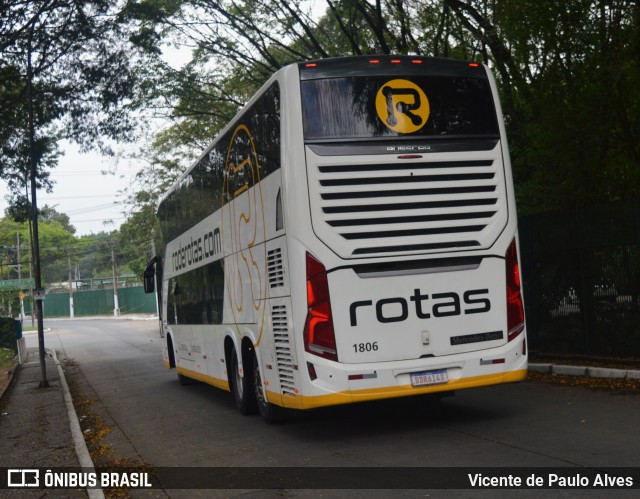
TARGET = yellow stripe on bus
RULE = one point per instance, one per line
(210, 380)
(368, 394)
(310, 402)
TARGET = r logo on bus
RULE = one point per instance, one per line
(402, 106)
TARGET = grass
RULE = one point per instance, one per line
(6, 357)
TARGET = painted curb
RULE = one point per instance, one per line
(601, 372)
(594, 372)
(541, 368)
(569, 370)
(76, 432)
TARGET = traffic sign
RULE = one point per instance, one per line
(8, 284)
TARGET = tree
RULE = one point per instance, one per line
(135, 239)
(55, 242)
(49, 214)
(74, 58)
(566, 72)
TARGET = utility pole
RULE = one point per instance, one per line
(116, 307)
(31, 295)
(20, 280)
(34, 205)
(71, 314)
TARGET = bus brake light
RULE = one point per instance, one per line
(515, 305)
(319, 335)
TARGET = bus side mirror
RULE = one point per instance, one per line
(149, 280)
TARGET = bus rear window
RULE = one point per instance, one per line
(394, 106)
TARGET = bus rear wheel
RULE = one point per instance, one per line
(270, 413)
(241, 387)
(185, 381)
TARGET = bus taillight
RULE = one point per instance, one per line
(319, 336)
(515, 305)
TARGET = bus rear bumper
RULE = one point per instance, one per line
(366, 382)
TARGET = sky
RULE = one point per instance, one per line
(84, 192)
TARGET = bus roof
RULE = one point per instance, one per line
(389, 65)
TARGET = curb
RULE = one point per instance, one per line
(11, 375)
(593, 372)
(76, 432)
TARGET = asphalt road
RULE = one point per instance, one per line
(154, 419)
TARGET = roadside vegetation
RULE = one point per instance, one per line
(7, 358)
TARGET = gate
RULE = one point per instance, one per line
(581, 279)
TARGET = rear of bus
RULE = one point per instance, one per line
(402, 232)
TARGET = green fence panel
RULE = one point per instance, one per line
(56, 305)
(136, 301)
(98, 302)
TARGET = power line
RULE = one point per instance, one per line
(87, 196)
(97, 220)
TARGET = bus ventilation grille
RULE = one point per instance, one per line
(284, 357)
(275, 268)
(410, 207)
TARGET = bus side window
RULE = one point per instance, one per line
(279, 213)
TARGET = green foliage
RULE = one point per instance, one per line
(93, 257)
(9, 303)
(136, 236)
(89, 256)
(575, 120)
(7, 357)
(567, 74)
(69, 61)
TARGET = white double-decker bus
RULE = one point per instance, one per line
(351, 235)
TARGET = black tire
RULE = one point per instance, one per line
(241, 387)
(270, 413)
(185, 381)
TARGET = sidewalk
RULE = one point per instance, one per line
(34, 425)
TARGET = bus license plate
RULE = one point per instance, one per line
(429, 378)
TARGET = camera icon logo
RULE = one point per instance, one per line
(23, 478)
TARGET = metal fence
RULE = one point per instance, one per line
(99, 302)
(581, 278)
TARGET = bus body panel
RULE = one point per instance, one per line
(384, 318)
